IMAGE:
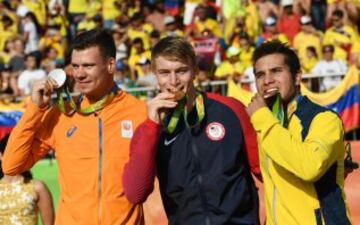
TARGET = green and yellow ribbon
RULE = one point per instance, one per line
(69, 106)
(277, 110)
(181, 109)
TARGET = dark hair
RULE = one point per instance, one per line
(7, 19)
(47, 49)
(313, 50)
(138, 41)
(159, 6)
(276, 47)
(155, 34)
(98, 37)
(3, 142)
(33, 18)
(37, 57)
(244, 35)
(175, 48)
(137, 16)
(6, 4)
(338, 12)
(98, 18)
(328, 47)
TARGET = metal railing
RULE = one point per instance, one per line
(223, 83)
(222, 86)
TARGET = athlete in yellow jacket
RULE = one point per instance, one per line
(91, 145)
(301, 145)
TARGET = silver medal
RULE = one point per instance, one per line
(59, 76)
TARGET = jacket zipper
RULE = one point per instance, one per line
(100, 168)
(274, 197)
(274, 205)
(200, 180)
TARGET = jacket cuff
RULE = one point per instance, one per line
(152, 125)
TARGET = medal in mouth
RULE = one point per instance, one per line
(270, 92)
(178, 94)
(270, 96)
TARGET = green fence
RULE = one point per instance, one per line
(46, 170)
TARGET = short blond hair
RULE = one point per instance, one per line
(177, 49)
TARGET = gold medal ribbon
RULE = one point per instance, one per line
(181, 109)
(69, 106)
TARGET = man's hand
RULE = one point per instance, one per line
(158, 106)
(42, 90)
(256, 103)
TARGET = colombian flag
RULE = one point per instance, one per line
(10, 113)
(343, 99)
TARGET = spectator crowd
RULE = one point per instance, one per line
(34, 36)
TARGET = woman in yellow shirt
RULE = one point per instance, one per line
(307, 64)
(310, 60)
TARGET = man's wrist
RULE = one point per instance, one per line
(153, 120)
(151, 123)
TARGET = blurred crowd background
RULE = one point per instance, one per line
(35, 37)
(35, 34)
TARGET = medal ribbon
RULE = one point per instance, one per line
(200, 109)
(75, 107)
(181, 108)
(278, 111)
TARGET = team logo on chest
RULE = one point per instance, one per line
(215, 131)
(126, 129)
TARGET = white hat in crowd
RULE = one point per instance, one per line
(270, 21)
(22, 10)
(287, 2)
(169, 20)
(305, 19)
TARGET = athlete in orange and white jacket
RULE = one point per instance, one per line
(91, 149)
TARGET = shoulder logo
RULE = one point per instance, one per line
(215, 131)
(168, 142)
(126, 129)
(71, 131)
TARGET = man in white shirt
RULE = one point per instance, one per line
(329, 66)
(31, 74)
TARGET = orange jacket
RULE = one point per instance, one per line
(91, 152)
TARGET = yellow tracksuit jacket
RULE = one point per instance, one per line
(302, 165)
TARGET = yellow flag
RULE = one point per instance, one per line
(239, 93)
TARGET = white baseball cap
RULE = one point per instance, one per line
(270, 21)
(22, 10)
(169, 20)
(287, 2)
(305, 19)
